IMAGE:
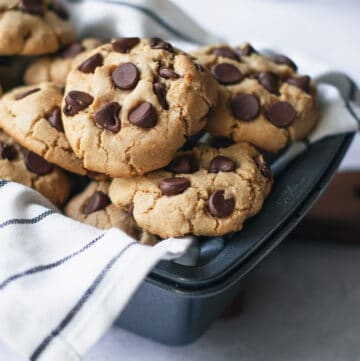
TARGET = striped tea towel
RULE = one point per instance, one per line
(62, 283)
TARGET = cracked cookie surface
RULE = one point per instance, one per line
(206, 191)
(261, 100)
(93, 206)
(19, 165)
(33, 27)
(32, 115)
(56, 68)
(129, 105)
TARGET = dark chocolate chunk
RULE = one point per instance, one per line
(107, 117)
(124, 45)
(90, 64)
(158, 43)
(125, 76)
(36, 164)
(281, 114)
(144, 116)
(54, 118)
(98, 201)
(221, 164)
(269, 80)
(284, 60)
(219, 206)
(302, 82)
(245, 107)
(75, 101)
(172, 186)
(160, 91)
(168, 73)
(226, 73)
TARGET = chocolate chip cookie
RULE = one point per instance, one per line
(22, 166)
(130, 104)
(93, 206)
(56, 68)
(261, 100)
(32, 27)
(32, 115)
(206, 191)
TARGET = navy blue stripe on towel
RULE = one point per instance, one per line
(73, 312)
(179, 34)
(3, 182)
(48, 266)
(34, 220)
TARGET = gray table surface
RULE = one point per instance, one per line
(302, 303)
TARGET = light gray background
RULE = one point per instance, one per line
(303, 302)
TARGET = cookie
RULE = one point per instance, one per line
(22, 166)
(261, 100)
(93, 206)
(204, 192)
(130, 105)
(56, 68)
(32, 115)
(33, 27)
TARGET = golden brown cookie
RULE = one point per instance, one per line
(129, 105)
(32, 115)
(22, 166)
(93, 206)
(204, 192)
(261, 100)
(32, 27)
(56, 68)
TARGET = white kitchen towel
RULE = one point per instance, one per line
(62, 283)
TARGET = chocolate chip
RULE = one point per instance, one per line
(172, 186)
(245, 50)
(185, 163)
(7, 151)
(199, 67)
(262, 165)
(59, 9)
(72, 50)
(125, 76)
(54, 118)
(124, 45)
(27, 93)
(107, 117)
(143, 116)
(302, 82)
(34, 7)
(221, 164)
(269, 80)
(160, 91)
(36, 164)
(284, 60)
(245, 107)
(219, 206)
(281, 114)
(76, 101)
(158, 43)
(225, 53)
(98, 201)
(221, 142)
(168, 73)
(226, 73)
(90, 64)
